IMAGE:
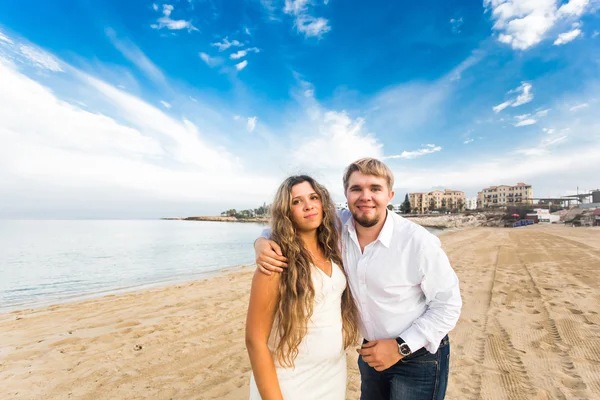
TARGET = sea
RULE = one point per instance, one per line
(45, 262)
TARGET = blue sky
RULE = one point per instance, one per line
(145, 109)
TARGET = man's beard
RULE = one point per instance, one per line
(366, 222)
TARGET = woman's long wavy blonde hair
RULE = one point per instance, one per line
(296, 291)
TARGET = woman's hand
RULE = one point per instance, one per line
(268, 256)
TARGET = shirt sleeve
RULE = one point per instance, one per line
(266, 233)
(440, 285)
(344, 215)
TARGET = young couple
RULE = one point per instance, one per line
(365, 269)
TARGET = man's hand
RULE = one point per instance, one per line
(380, 354)
(268, 256)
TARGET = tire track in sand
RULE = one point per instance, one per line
(474, 386)
(560, 347)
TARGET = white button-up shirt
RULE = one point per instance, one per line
(402, 283)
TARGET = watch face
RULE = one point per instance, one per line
(404, 349)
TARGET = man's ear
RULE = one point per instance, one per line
(392, 193)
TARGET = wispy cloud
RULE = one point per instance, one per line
(165, 104)
(525, 96)
(225, 44)
(40, 58)
(5, 38)
(167, 22)
(243, 53)
(305, 23)
(595, 34)
(251, 124)
(456, 24)
(567, 37)
(468, 141)
(530, 119)
(339, 140)
(211, 61)
(525, 122)
(542, 148)
(523, 24)
(242, 65)
(131, 52)
(427, 149)
(579, 107)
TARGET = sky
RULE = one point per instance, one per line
(146, 109)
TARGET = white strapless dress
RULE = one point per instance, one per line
(320, 368)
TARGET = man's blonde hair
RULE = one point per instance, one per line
(369, 166)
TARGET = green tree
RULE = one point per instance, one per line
(390, 207)
(405, 206)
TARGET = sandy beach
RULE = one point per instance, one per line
(529, 329)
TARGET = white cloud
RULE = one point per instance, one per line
(579, 107)
(4, 38)
(526, 122)
(155, 7)
(502, 106)
(567, 37)
(166, 22)
(247, 31)
(468, 141)
(242, 53)
(549, 131)
(528, 119)
(251, 125)
(118, 152)
(242, 65)
(542, 113)
(40, 58)
(131, 52)
(595, 34)
(574, 8)
(456, 24)
(427, 149)
(339, 141)
(211, 61)
(165, 104)
(225, 44)
(525, 96)
(304, 22)
(525, 23)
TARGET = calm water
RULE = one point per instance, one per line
(44, 262)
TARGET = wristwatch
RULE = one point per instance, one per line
(403, 347)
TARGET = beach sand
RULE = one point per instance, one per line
(529, 329)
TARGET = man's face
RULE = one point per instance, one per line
(368, 197)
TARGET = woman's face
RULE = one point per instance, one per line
(307, 209)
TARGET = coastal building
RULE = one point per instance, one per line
(471, 203)
(505, 195)
(447, 199)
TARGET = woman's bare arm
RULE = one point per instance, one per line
(261, 313)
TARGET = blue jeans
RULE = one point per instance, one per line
(420, 376)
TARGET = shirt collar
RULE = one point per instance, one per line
(385, 236)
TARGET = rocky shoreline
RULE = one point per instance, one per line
(219, 219)
(468, 220)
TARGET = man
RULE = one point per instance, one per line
(405, 289)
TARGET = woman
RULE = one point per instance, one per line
(300, 321)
